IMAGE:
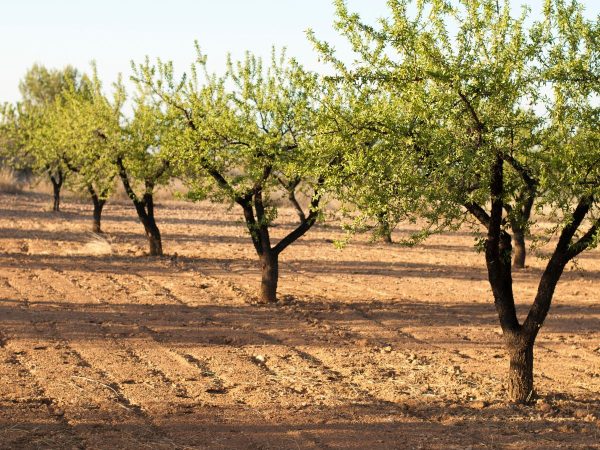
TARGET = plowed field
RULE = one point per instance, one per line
(372, 347)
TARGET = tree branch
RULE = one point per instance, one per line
(479, 213)
(306, 224)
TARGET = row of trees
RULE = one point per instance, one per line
(451, 113)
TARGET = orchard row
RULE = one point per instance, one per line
(451, 112)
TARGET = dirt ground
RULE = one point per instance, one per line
(373, 346)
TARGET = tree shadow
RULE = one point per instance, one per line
(367, 425)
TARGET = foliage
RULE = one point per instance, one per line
(239, 136)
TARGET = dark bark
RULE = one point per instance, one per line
(563, 253)
(498, 259)
(296, 205)
(520, 372)
(269, 264)
(57, 180)
(498, 254)
(56, 203)
(257, 223)
(145, 210)
(520, 215)
(519, 338)
(99, 203)
(290, 187)
(154, 238)
(520, 250)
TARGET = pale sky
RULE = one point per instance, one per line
(113, 32)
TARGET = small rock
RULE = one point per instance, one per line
(454, 370)
(261, 359)
(581, 413)
(387, 349)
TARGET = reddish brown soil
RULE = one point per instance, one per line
(373, 346)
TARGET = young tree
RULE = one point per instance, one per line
(133, 148)
(242, 135)
(41, 150)
(87, 157)
(43, 91)
(365, 128)
(505, 117)
(9, 136)
(144, 162)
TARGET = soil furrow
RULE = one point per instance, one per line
(161, 382)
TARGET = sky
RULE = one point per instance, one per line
(114, 32)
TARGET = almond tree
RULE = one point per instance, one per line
(135, 146)
(142, 161)
(239, 137)
(505, 120)
(42, 91)
(87, 157)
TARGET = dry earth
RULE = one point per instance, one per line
(374, 346)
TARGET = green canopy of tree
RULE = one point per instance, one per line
(499, 114)
(239, 137)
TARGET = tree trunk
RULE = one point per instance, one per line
(96, 227)
(519, 249)
(386, 234)
(145, 210)
(56, 185)
(385, 231)
(154, 239)
(520, 372)
(98, 206)
(269, 263)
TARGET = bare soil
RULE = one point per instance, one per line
(372, 347)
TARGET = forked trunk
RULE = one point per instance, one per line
(519, 249)
(269, 263)
(144, 208)
(520, 372)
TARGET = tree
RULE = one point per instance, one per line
(144, 160)
(43, 91)
(364, 127)
(240, 137)
(87, 157)
(9, 140)
(504, 117)
(40, 150)
(136, 148)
